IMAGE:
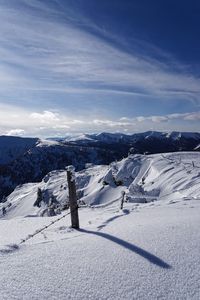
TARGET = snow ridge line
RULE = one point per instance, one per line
(43, 228)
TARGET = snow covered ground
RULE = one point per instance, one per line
(145, 251)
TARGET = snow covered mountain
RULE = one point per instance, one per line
(144, 178)
(120, 137)
(24, 160)
(147, 142)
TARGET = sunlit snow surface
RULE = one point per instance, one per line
(145, 251)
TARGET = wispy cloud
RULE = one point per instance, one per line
(190, 116)
(43, 49)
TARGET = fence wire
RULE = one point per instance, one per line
(30, 236)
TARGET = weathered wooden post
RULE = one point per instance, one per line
(122, 199)
(72, 197)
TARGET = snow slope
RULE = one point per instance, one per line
(143, 178)
(145, 251)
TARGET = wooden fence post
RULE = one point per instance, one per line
(72, 197)
(122, 200)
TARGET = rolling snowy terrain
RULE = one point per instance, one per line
(144, 178)
(148, 250)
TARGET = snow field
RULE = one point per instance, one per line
(145, 251)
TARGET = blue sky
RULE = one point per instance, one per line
(89, 66)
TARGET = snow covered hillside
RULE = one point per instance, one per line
(31, 162)
(148, 250)
(24, 160)
(144, 178)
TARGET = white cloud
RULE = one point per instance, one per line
(192, 116)
(77, 122)
(111, 123)
(158, 119)
(61, 126)
(15, 121)
(140, 119)
(124, 119)
(15, 132)
(46, 117)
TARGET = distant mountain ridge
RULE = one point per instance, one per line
(24, 160)
(105, 136)
(147, 142)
